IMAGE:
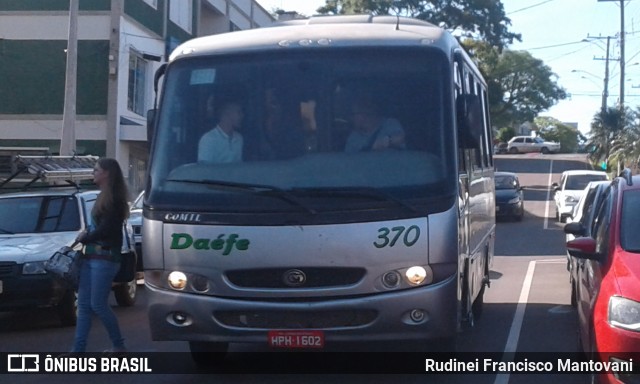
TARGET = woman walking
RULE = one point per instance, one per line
(103, 243)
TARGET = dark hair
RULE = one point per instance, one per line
(116, 195)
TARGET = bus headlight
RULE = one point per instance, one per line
(177, 280)
(416, 275)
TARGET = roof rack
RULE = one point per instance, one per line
(626, 175)
(53, 169)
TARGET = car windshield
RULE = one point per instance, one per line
(39, 214)
(579, 182)
(538, 140)
(629, 228)
(506, 182)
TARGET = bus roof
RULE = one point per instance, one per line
(322, 31)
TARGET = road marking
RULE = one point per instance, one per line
(516, 325)
(552, 261)
(549, 182)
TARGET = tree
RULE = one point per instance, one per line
(520, 86)
(483, 19)
(606, 128)
(623, 148)
(554, 130)
(505, 134)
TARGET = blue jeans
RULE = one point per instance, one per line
(93, 297)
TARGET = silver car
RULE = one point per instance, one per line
(523, 144)
(41, 223)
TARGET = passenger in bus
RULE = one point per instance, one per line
(283, 137)
(223, 144)
(372, 131)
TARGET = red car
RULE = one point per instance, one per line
(608, 291)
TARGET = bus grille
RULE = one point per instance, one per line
(296, 320)
(314, 277)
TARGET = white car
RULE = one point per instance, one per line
(521, 144)
(571, 188)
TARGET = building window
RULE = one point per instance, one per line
(137, 83)
(181, 13)
(152, 3)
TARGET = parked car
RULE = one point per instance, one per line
(523, 144)
(583, 214)
(608, 299)
(570, 188)
(41, 222)
(509, 196)
(500, 148)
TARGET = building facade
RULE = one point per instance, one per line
(121, 43)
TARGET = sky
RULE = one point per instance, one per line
(570, 37)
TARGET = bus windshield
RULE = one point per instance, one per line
(343, 129)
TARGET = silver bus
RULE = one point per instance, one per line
(347, 197)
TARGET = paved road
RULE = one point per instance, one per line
(526, 309)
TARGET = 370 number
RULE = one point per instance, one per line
(388, 237)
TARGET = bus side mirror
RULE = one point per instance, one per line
(469, 116)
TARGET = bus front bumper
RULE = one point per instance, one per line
(421, 313)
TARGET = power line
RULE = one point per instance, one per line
(529, 7)
(556, 45)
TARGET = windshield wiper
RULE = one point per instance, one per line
(263, 190)
(6, 232)
(356, 192)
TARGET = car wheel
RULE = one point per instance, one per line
(68, 308)
(545, 150)
(513, 150)
(125, 293)
(207, 354)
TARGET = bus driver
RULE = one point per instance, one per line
(223, 144)
(372, 132)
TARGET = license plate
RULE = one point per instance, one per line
(296, 339)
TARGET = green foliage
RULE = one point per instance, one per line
(520, 86)
(615, 137)
(505, 134)
(484, 19)
(552, 129)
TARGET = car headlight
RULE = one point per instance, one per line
(33, 268)
(515, 200)
(624, 313)
(570, 199)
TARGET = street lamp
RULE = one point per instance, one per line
(605, 92)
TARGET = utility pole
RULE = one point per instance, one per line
(112, 85)
(68, 139)
(622, 54)
(605, 91)
(622, 63)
